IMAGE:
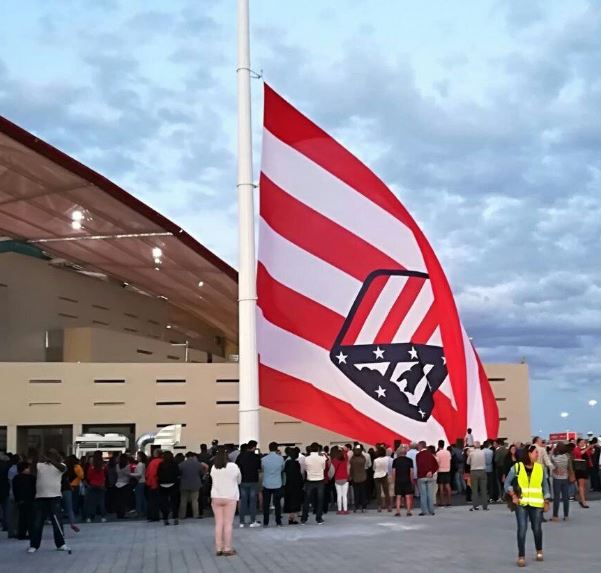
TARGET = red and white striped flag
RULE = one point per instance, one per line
(358, 331)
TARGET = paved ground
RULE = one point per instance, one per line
(454, 540)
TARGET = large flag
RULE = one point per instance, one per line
(358, 331)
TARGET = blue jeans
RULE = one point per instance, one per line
(427, 488)
(561, 487)
(248, 501)
(535, 515)
(68, 506)
(140, 498)
(459, 481)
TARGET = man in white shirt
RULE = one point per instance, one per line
(47, 505)
(468, 441)
(315, 465)
(476, 459)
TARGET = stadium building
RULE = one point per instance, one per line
(115, 320)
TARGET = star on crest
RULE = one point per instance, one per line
(342, 358)
(381, 392)
(413, 353)
(379, 353)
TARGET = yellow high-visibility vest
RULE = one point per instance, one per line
(532, 487)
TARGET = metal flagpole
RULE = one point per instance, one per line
(247, 295)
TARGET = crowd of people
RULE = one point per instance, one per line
(346, 478)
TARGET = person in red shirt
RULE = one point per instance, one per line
(582, 463)
(95, 479)
(340, 464)
(152, 483)
(427, 466)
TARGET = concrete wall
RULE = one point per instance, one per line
(201, 396)
(511, 387)
(71, 300)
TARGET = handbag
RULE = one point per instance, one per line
(517, 490)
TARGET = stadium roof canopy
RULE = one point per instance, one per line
(70, 212)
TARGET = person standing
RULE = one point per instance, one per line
(152, 484)
(24, 493)
(95, 498)
(47, 504)
(122, 486)
(595, 459)
(225, 493)
(403, 481)
(530, 498)
(315, 466)
(499, 462)
(358, 477)
(272, 465)
(489, 458)
(341, 480)
(582, 464)
(459, 461)
(380, 466)
(293, 488)
(138, 473)
(477, 461)
(190, 484)
(249, 463)
(468, 441)
(427, 466)
(168, 477)
(443, 479)
(561, 485)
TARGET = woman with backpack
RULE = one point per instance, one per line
(528, 486)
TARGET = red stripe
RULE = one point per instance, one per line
(427, 327)
(319, 235)
(365, 307)
(489, 402)
(301, 400)
(296, 313)
(399, 310)
(298, 131)
(446, 415)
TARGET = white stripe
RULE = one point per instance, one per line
(447, 390)
(416, 314)
(297, 357)
(304, 273)
(381, 309)
(319, 189)
(475, 407)
(436, 338)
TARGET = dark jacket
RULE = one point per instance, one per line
(168, 472)
(24, 488)
(249, 464)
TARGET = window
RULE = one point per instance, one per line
(170, 381)
(501, 399)
(171, 403)
(3, 439)
(100, 322)
(224, 402)
(109, 403)
(65, 315)
(227, 381)
(287, 422)
(503, 419)
(147, 352)
(44, 403)
(42, 438)
(100, 307)
(48, 381)
(109, 381)
(496, 379)
(170, 424)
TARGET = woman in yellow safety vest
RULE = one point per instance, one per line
(528, 487)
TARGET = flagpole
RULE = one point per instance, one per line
(247, 295)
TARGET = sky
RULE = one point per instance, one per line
(481, 115)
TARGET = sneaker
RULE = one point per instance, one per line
(31, 550)
(255, 524)
(242, 526)
(320, 522)
(63, 548)
(103, 520)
